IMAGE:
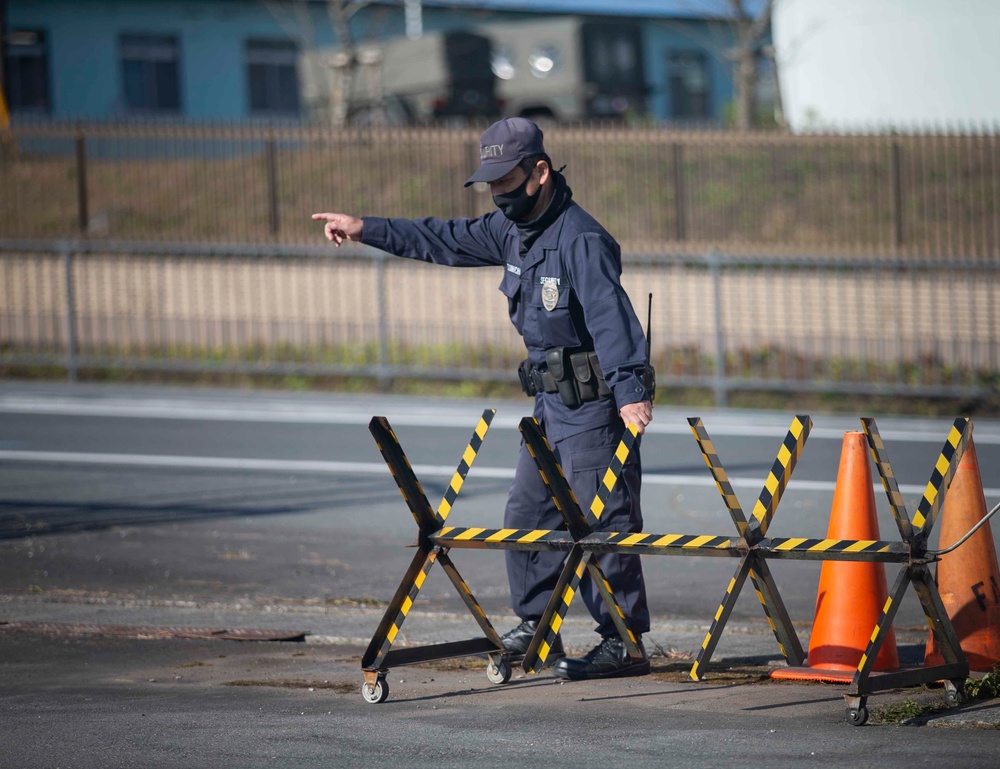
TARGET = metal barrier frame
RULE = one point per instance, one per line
(582, 541)
(379, 657)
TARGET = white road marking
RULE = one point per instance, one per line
(456, 415)
(377, 468)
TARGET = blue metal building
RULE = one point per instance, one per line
(238, 59)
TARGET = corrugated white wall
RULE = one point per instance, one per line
(879, 64)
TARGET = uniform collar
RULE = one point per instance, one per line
(550, 238)
(530, 232)
(548, 227)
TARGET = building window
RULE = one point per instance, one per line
(26, 66)
(272, 75)
(687, 74)
(612, 64)
(613, 54)
(151, 73)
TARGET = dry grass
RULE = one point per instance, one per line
(739, 194)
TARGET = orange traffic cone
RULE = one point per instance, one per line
(967, 577)
(851, 595)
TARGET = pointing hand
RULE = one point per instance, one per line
(340, 227)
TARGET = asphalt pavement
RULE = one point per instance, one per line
(171, 639)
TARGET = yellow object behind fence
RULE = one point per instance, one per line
(4, 113)
(6, 140)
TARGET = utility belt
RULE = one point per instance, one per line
(574, 374)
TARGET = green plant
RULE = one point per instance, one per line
(903, 711)
(985, 688)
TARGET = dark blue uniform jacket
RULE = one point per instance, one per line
(592, 310)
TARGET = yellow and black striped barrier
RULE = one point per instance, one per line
(379, 656)
(580, 526)
(582, 541)
(915, 533)
(752, 562)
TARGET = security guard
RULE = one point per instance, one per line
(586, 367)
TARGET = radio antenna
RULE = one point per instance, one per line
(649, 324)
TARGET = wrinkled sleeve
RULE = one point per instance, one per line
(454, 242)
(594, 265)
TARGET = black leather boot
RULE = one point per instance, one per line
(606, 660)
(516, 641)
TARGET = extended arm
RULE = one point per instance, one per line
(454, 242)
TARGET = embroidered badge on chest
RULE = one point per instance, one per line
(550, 293)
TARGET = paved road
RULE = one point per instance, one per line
(124, 509)
(248, 496)
(140, 703)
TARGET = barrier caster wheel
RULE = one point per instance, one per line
(954, 697)
(498, 672)
(857, 716)
(377, 692)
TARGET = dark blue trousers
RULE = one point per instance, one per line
(584, 458)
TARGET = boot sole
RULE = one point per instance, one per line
(639, 669)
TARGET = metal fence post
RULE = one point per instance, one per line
(473, 149)
(382, 376)
(67, 253)
(897, 194)
(678, 164)
(719, 381)
(82, 207)
(271, 156)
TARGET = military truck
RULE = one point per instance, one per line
(559, 68)
(444, 75)
(567, 68)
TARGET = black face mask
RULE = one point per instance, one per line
(517, 203)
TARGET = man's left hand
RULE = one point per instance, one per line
(639, 414)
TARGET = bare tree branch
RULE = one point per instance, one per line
(281, 14)
(295, 18)
(740, 47)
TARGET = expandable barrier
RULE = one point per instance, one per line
(752, 547)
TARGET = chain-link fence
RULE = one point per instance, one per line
(929, 328)
(657, 191)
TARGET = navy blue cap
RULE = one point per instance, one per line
(505, 144)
